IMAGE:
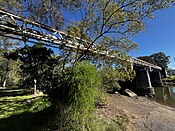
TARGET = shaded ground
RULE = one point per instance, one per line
(143, 114)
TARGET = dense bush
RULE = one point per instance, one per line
(111, 77)
(76, 97)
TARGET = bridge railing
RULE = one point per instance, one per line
(23, 29)
(144, 63)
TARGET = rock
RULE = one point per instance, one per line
(129, 93)
(116, 92)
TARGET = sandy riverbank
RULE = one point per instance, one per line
(143, 114)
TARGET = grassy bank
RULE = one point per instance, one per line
(169, 78)
(20, 111)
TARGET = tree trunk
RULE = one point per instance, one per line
(35, 82)
(4, 83)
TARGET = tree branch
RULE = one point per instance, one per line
(118, 10)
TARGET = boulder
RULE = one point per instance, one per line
(116, 92)
(129, 93)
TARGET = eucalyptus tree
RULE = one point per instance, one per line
(109, 26)
(9, 70)
(159, 59)
(37, 63)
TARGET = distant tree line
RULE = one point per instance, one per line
(159, 59)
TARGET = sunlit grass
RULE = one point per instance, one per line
(170, 78)
(12, 90)
(16, 105)
(22, 112)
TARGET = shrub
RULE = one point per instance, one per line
(111, 77)
(77, 97)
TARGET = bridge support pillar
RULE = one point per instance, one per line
(156, 80)
(164, 72)
(143, 82)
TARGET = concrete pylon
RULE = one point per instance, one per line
(156, 80)
(143, 82)
(164, 72)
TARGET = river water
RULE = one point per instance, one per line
(165, 95)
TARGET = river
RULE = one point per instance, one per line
(165, 95)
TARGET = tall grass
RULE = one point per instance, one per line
(76, 111)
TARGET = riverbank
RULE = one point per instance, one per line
(143, 113)
(169, 81)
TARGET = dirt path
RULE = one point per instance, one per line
(144, 114)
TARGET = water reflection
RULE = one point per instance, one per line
(173, 90)
(165, 95)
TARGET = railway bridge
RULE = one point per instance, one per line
(17, 27)
(147, 77)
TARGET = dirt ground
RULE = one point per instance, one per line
(143, 113)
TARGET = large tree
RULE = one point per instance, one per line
(109, 24)
(44, 11)
(9, 69)
(159, 59)
(37, 63)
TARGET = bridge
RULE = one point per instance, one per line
(17, 27)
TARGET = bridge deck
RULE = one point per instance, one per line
(17, 27)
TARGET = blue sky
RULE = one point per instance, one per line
(160, 36)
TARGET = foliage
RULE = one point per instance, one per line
(169, 78)
(112, 76)
(76, 102)
(9, 73)
(76, 32)
(106, 24)
(159, 59)
(110, 24)
(37, 63)
(9, 69)
(26, 112)
(44, 11)
(11, 5)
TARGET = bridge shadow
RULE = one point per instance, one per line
(27, 121)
